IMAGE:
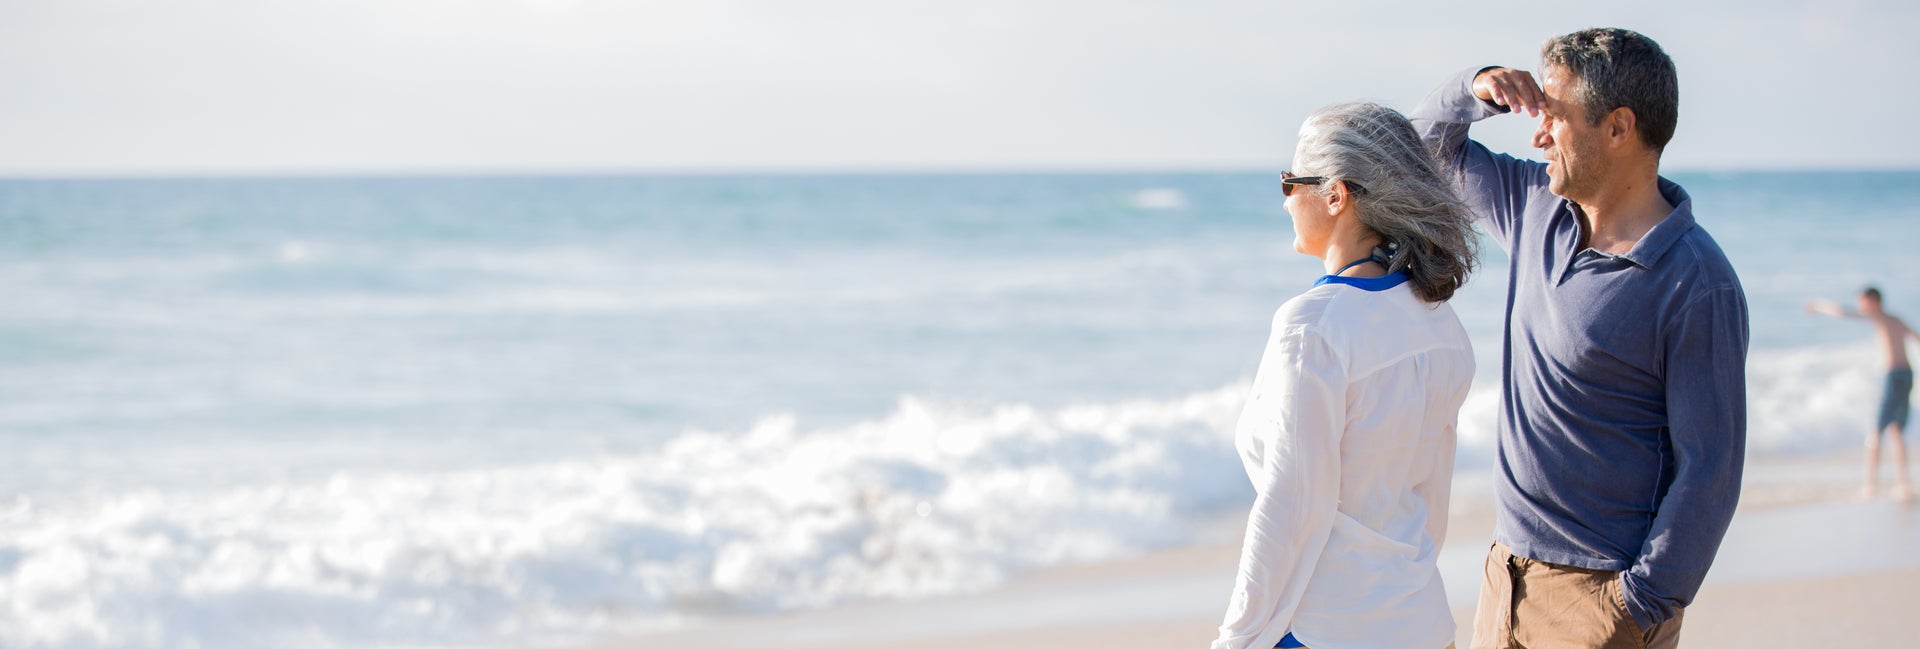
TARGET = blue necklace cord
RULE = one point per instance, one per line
(1356, 263)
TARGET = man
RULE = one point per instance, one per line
(1623, 405)
(1892, 423)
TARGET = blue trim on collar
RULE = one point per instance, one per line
(1381, 283)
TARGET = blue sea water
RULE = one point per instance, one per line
(450, 411)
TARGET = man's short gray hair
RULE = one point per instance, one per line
(1614, 68)
(1409, 200)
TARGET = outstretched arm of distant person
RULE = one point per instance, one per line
(1831, 308)
(1498, 186)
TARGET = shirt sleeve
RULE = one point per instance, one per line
(1290, 441)
(1496, 185)
(1706, 362)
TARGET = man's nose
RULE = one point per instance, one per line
(1541, 139)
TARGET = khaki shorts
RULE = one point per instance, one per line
(1528, 603)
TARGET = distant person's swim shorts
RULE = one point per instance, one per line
(1894, 406)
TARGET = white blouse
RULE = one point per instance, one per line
(1348, 436)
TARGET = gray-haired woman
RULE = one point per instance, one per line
(1348, 433)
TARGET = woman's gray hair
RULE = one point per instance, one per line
(1407, 198)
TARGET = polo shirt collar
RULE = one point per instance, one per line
(1656, 242)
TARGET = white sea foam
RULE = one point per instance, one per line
(931, 499)
(1812, 399)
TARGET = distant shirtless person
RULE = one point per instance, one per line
(1894, 405)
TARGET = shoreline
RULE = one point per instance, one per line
(1851, 575)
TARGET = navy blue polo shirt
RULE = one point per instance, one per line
(1623, 394)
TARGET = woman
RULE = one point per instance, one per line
(1348, 434)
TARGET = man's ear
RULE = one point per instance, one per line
(1619, 126)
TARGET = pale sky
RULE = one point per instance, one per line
(110, 87)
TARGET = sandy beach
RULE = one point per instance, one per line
(1804, 563)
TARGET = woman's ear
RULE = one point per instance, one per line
(1338, 198)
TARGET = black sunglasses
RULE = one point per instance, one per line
(1288, 181)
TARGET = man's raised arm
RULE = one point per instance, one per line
(1498, 186)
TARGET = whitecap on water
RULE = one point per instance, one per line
(1160, 198)
(294, 252)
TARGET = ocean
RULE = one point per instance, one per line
(479, 411)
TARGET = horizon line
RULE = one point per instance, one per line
(784, 171)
